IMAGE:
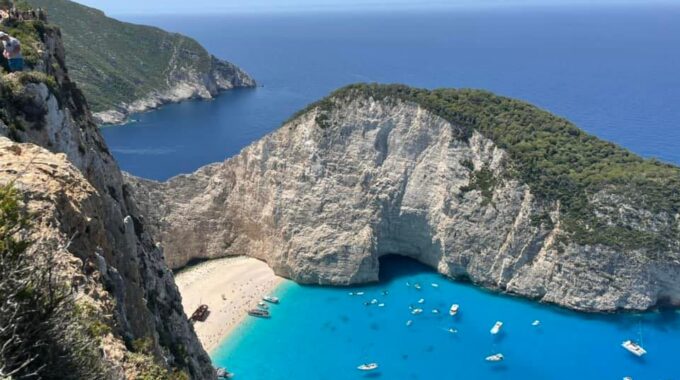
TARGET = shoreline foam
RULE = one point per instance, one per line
(242, 280)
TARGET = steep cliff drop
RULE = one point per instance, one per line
(82, 215)
(480, 187)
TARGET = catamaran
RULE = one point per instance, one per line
(271, 299)
(496, 327)
(368, 367)
(454, 309)
(495, 358)
(634, 348)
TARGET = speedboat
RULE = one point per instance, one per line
(416, 311)
(435, 311)
(374, 301)
(417, 286)
(496, 327)
(421, 301)
(627, 378)
(271, 299)
(495, 358)
(409, 322)
(262, 305)
(368, 367)
(633, 348)
(434, 285)
(259, 313)
(454, 309)
(381, 305)
(360, 293)
(536, 323)
(452, 330)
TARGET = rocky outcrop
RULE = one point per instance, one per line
(82, 210)
(325, 196)
(183, 83)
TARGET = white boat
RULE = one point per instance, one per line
(416, 311)
(421, 301)
(351, 293)
(452, 330)
(496, 327)
(417, 286)
(409, 322)
(536, 323)
(454, 309)
(368, 367)
(434, 285)
(495, 358)
(374, 301)
(381, 305)
(633, 348)
(262, 305)
(627, 378)
(435, 311)
(271, 299)
(360, 293)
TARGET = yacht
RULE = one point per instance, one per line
(496, 327)
(454, 309)
(259, 313)
(271, 299)
(633, 348)
(368, 367)
(495, 358)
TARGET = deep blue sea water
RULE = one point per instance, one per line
(615, 72)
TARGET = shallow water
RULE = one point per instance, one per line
(324, 333)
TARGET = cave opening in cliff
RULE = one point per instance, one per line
(395, 266)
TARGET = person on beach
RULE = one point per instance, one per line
(12, 52)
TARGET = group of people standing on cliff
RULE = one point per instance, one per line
(13, 58)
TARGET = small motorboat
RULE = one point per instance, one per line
(627, 378)
(536, 323)
(417, 286)
(421, 301)
(434, 285)
(351, 293)
(495, 358)
(416, 311)
(634, 348)
(496, 328)
(409, 322)
(454, 309)
(360, 293)
(368, 367)
(262, 305)
(374, 301)
(259, 313)
(435, 311)
(381, 305)
(222, 373)
(452, 330)
(271, 299)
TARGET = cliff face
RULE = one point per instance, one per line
(325, 196)
(182, 83)
(125, 68)
(75, 190)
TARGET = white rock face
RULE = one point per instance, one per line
(322, 205)
(182, 85)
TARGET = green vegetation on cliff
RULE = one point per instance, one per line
(559, 161)
(116, 62)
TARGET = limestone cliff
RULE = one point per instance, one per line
(358, 176)
(70, 182)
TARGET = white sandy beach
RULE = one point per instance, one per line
(242, 280)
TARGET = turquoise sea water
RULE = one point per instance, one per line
(324, 333)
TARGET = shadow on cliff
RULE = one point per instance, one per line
(394, 267)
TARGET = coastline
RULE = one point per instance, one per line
(242, 280)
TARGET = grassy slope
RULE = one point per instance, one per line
(558, 160)
(116, 62)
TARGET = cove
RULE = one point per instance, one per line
(325, 333)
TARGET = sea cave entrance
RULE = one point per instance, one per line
(395, 266)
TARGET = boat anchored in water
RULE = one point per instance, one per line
(495, 358)
(634, 348)
(416, 311)
(368, 367)
(536, 323)
(259, 313)
(496, 327)
(454, 309)
(271, 299)
(222, 373)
